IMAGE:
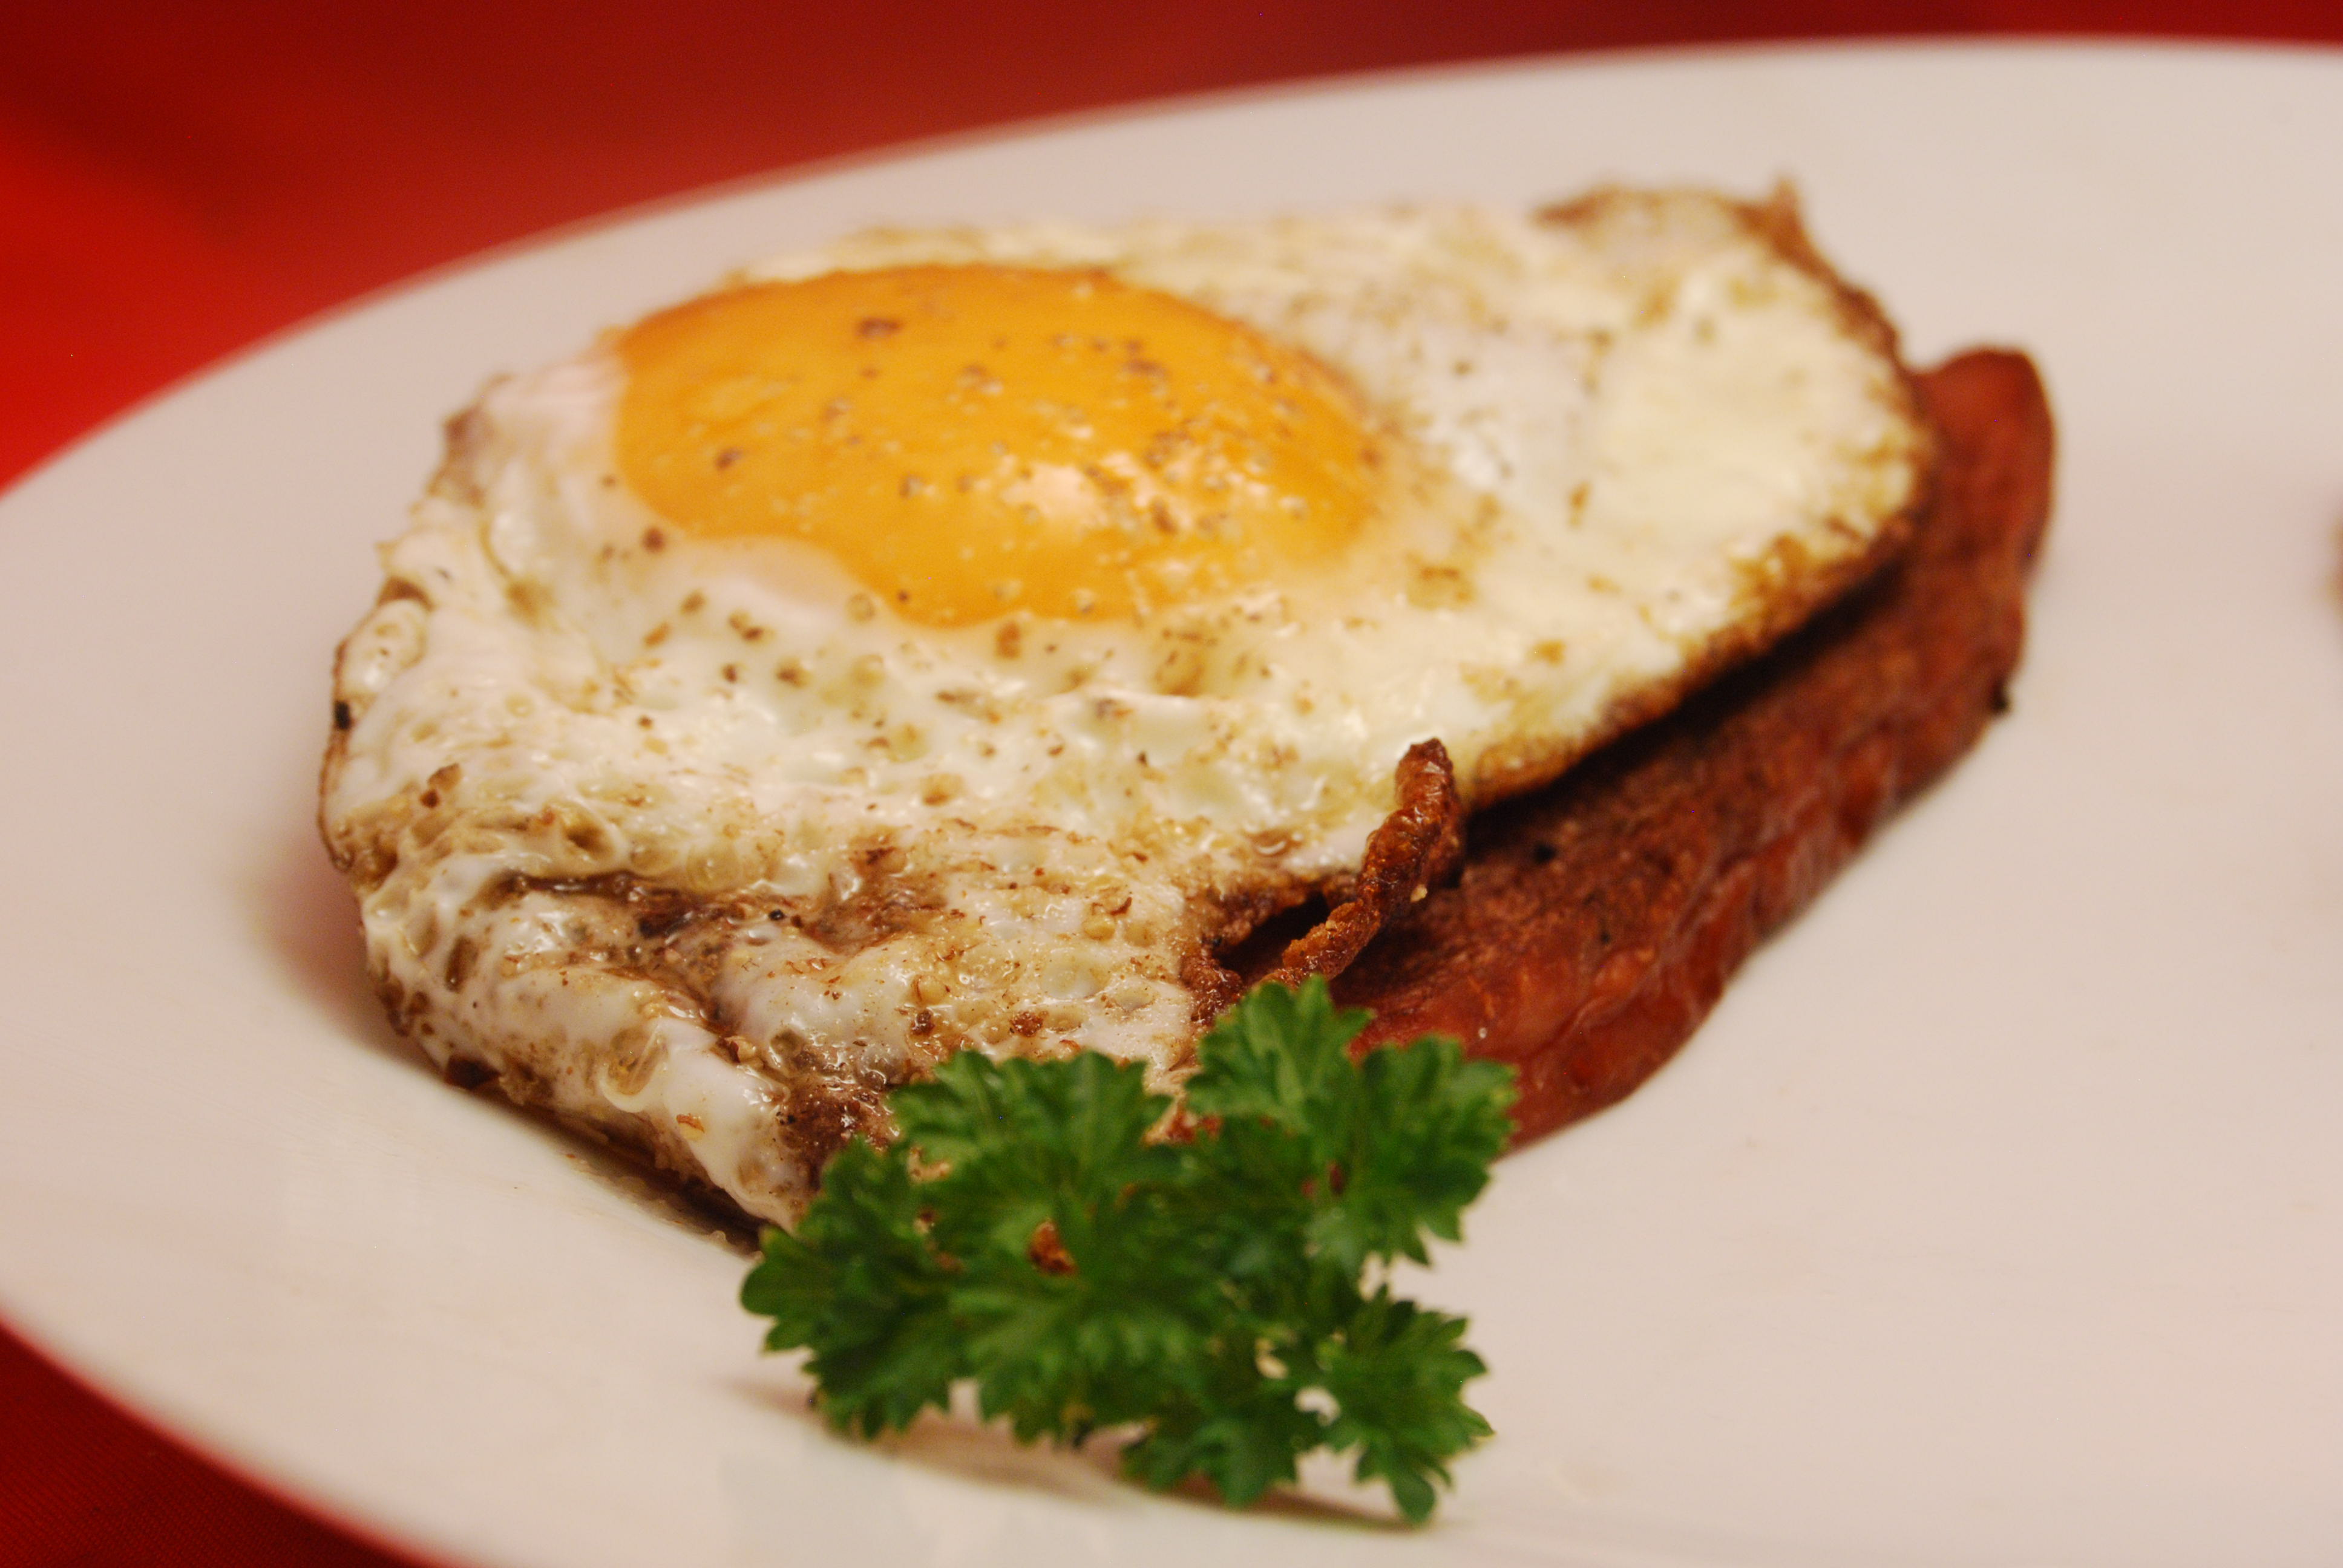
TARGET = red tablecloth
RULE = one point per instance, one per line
(179, 180)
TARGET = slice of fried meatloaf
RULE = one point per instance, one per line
(1595, 923)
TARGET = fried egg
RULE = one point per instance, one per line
(954, 640)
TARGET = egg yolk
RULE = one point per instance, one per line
(973, 440)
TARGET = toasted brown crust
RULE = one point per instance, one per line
(1413, 848)
(1418, 845)
(1597, 920)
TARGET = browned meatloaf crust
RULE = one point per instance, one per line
(1596, 921)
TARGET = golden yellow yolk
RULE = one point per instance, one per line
(971, 440)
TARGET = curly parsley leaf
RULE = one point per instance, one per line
(1026, 1235)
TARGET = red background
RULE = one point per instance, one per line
(179, 180)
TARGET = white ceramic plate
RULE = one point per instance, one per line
(1995, 1218)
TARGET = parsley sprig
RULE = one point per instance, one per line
(1025, 1233)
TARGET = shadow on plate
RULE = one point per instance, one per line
(307, 919)
(2335, 577)
(959, 1444)
(620, 1172)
